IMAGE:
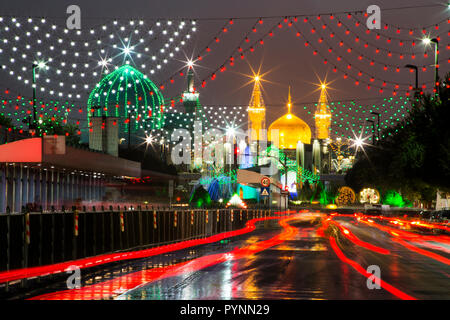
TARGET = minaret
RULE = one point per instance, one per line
(256, 112)
(323, 115)
(190, 80)
(190, 96)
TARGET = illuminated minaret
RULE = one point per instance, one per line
(190, 96)
(323, 115)
(256, 112)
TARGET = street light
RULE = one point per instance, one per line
(428, 41)
(149, 140)
(35, 65)
(230, 131)
(359, 142)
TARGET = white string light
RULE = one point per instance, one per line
(55, 40)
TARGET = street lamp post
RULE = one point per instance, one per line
(378, 123)
(436, 60)
(436, 63)
(373, 130)
(33, 68)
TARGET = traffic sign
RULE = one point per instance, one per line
(265, 191)
(265, 181)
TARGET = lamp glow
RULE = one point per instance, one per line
(41, 64)
(231, 131)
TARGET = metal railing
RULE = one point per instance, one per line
(33, 239)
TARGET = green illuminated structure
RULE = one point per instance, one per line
(130, 96)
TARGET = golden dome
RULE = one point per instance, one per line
(291, 129)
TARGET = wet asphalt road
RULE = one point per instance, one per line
(303, 265)
(306, 267)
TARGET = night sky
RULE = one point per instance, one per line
(284, 57)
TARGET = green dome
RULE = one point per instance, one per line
(125, 93)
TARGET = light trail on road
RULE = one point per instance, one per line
(396, 292)
(131, 281)
(300, 256)
(128, 255)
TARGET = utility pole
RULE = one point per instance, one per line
(33, 68)
(378, 124)
(436, 64)
(373, 130)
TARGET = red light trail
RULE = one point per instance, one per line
(399, 236)
(396, 292)
(133, 280)
(113, 257)
(423, 252)
(350, 236)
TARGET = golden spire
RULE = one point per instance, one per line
(323, 100)
(256, 101)
(323, 115)
(289, 104)
(256, 111)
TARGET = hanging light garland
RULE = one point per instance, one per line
(74, 60)
(55, 38)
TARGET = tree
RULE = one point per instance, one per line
(413, 157)
(305, 192)
(5, 121)
(200, 198)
